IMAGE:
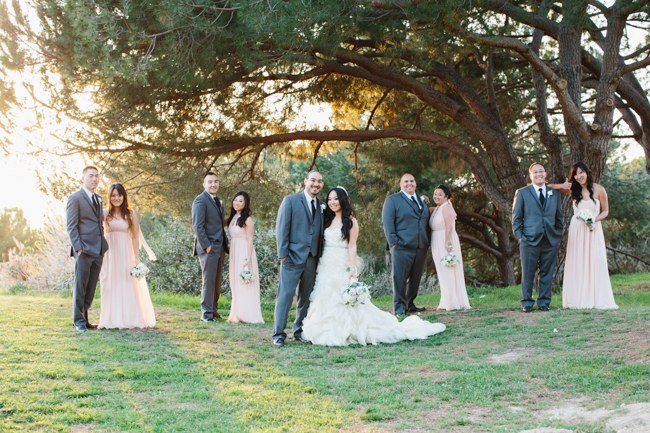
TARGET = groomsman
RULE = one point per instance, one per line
(537, 224)
(405, 219)
(210, 244)
(84, 218)
(299, 232)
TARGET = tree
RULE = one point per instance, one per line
(201, 80)
(15, 233)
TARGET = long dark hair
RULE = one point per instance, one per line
(124, 210)
(347, 212)
(245, 213)
(576, 188)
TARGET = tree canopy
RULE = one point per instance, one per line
(496, 84)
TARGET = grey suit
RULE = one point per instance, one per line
(299, 240)
(407, 233)
(84, 223)
(539, 231)
(207, 222)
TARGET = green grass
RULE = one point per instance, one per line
(493, 370)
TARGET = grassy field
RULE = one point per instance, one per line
(494, 370)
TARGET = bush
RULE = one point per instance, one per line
(18, 288)
(178, 271)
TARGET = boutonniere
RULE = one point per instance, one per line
(549, 193)
(322, 207)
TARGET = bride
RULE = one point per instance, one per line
(330, 322)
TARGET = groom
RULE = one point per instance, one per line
(537, 224)
(405, 219)
(299, 232)
(84, 217)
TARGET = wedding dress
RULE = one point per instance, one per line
(330, 322)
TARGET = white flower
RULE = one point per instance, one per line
(356, 293)
(246, 276)
(450, 260)
(322, 207)
(588, 217)
(139, 271)
(549, 193)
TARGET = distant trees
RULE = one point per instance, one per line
(15, 233)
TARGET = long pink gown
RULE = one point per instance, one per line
(453, 294)
(245, 305)
(586, 278)
(125, 300)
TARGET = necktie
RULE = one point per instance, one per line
(542, 199)
(415, 201)
(313, 208)
(96, 203)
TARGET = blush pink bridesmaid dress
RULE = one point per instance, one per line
(453, 294)
(125, 300)
(586, 278)
(245, 305)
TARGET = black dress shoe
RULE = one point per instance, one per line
(299, 337)
(543, 308)
(415, 309)
(526, 309)
(90, 326)
(278, 342)
(211, 319)
(80, 328)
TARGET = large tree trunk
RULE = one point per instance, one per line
(571, 68)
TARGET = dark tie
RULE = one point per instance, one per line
(542, 199)
(96, 204)
(313, 208)
(417, 205)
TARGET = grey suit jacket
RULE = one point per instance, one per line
(404, 224)
(530, 222)
(84, 223)
(294, 230)
(207, 222)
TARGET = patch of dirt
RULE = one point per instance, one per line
(574, 411)
(510, 356)
(633, 418)
(82, 428)
(547, 430)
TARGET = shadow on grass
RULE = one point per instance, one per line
(183, 376)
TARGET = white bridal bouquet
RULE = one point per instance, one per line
(246, 276)
(450, 260)
(586, 216)
(356, 293)
(140, 270)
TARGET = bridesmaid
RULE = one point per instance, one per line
(586, 278)
(125, 300)
(245, 295)
(444, 240)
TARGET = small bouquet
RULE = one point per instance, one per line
(246, 276)
(140, 270)
(586, 216)
(356, 293)
(450, 260)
